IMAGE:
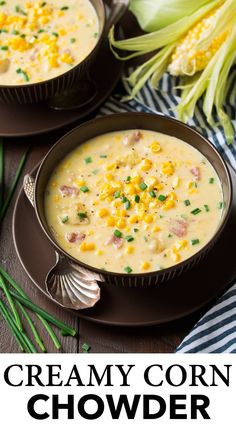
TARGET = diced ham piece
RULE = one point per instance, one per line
(116, 241)
(69, 191)
(132, 138)
(179, 227)
(195, 171)
(75, 237)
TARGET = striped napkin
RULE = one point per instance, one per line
(216, 330)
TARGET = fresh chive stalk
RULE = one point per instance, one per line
(37, 338)
(13, 186)
(20, 291)
(11, 303)
(70, 331)
(13, 327)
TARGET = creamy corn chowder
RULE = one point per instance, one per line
(40, 40)
(133, 201)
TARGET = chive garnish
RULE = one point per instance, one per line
(152, 194)
(11, 303)
(124, 199)
(137, 198)
(37, 338)
(4, 48)
(65, 219)
(211, 180)
(145, 238)
(43, 4)
(86, 347)
(19, 10)
(129, 238)
(206, 207)
(41, 31)
(82, 215)
(187, 203)
(127, 205)
(2, 3)
(195, 241)
(143, 186)
(95, 35)
(128, 179)
(162, 198)
(84, 189)
(55, 34)
(25, 75)
(118, 233)
(196, 211)
(220, 205)
(128, 269)
(64, 8)
(3, 31)
(136, 230)
(72, 40)
(117, 194)
(103, 156)
(88, 160)
(15, 32)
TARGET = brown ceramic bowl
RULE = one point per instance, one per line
(126, 121)
(36, 92)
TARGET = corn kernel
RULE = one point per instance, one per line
(136, 180)
(148, 219)
(102, 212)
(145, 265)
(169, 203)
(130, 189)
(159, 186)
(180, 244)
(146, 165)
(175, 256)
(80, 183)
(151, 181)
(134, 219)
(99, 252)
(155, 147)
(172, 196)
(111, 167)
(56, 198)
(121, 223)
(129, 249)
(87, 247)
(117, 203)
(167, 168)
(121, 212)
(109, 176)
(156, 229)
(90, 232)
(110, 221)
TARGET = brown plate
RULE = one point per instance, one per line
(27, 120)
(141, 307)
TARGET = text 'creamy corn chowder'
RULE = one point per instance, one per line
(133, 201)
(40, 40)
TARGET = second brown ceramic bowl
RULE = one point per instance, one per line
(127, 121)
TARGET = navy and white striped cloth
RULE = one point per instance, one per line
(216, 331)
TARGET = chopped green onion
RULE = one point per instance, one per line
(3, 31)
(196, 211)
(127, 205)
(187, 203)
(72, 40)
(65, 219)
(128, 179)
(152, 194)
(18, 9)
(25, 75)
(143, 186)
(84, 189)
(15, 32)
(88, 160)
(206, 207)
(95, 34)
(82, 215)
(220, 205)
(41, 31)
(124, 199)
(37, 338)
(117, 194)
(103, 156)
(195, 241)
(137, 198)
(4, 48)
(86, 347)
(2, 3)
(136, 230)
(55, 34)
(129, 238)
(64, 8)
(118, 233)
(128, 269)
(43, 4)
(162, 198)
(211, 180)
